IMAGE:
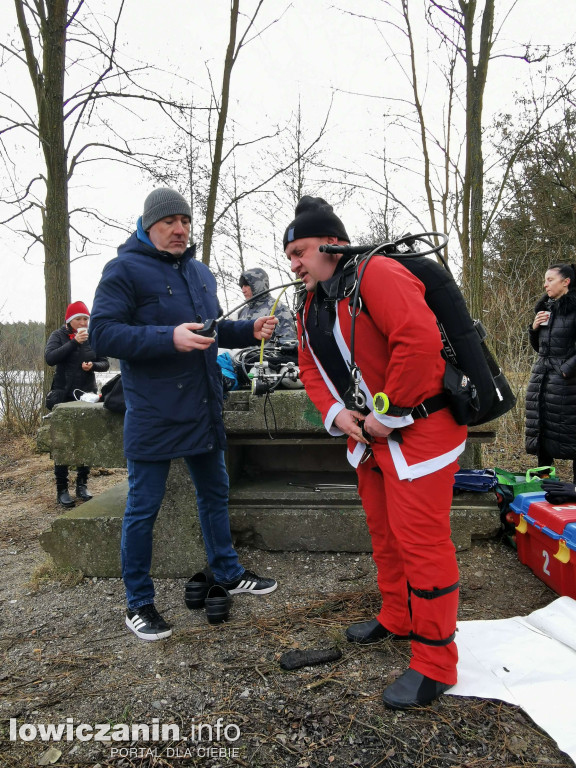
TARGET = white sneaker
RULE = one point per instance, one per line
(251, 583)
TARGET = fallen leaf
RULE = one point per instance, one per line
(50, 756)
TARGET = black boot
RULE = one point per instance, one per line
(64, 497)
(82, 492)
(371, 632)
(81, 480)
(413, 689)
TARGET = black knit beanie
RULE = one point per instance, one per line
(314, 218)
(164, 202)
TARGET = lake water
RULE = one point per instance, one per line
(24, 377)
(25, 386)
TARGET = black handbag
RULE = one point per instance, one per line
(113, 395)
(54, 397)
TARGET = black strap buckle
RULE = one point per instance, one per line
(419, 412)
(430, 406)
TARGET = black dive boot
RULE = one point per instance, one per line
(81, 480)
(64, 497)
(413, 689)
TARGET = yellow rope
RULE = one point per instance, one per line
(272, 315)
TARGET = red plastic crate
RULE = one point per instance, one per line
(546, 540)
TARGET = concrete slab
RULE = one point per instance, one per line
(291, 489)
(88, 537)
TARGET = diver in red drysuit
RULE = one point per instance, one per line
(405, 477)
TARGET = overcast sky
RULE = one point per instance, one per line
(313, 53)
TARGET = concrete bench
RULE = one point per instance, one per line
(291, 488)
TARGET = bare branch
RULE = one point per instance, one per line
(251, 22)
(110, 56)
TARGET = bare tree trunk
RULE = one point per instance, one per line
(48, 81)
(473, 192)
(219, 141)
(231, 55)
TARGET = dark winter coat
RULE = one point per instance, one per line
(67, 355)
(551, 394)
(173, 399)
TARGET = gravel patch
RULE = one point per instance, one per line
(67, 658)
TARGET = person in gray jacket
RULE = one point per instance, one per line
(253, 282)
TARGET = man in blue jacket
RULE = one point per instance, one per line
(150, 302)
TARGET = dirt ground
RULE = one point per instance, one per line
(67, 658)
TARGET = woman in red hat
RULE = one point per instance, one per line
(76, 363)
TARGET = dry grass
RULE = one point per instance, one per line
(66, 578)
(507, 452)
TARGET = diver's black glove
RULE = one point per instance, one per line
(559, 493)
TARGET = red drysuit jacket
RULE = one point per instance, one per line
(397, 349)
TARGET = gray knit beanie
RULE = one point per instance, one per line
(164, 202)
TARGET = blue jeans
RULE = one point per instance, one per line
(146, 487)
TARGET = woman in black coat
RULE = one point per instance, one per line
(68, 349)
(551, 394)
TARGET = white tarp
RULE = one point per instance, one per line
(529, 661)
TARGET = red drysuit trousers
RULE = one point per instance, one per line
(409, 523)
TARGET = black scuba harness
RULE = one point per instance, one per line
(347, 285)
